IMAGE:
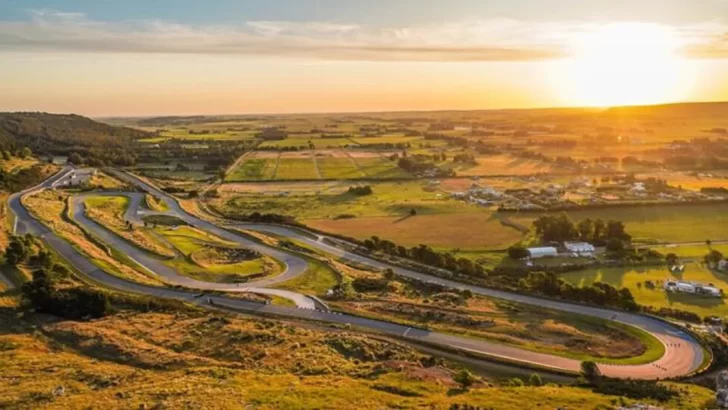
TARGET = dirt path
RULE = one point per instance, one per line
(275, 170)
(315, 164)
(353, 161)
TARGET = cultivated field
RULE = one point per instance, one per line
(503, 165)
(634, 279)
(661, 223)
(258, 166)
(337, 165)
(468, 231)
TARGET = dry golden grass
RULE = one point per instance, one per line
(5, 220)
(154, 203)
(105, 181)
(473, 230)
(49, 207)
(195, 360)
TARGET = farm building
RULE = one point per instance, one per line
(580, 248)
(542, 252)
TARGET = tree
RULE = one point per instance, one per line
(518, 252)
(590, 371)
(388, 274)
(26, 152)
(465, 379)
(713, 257)
(615, 229)
(16, 252)
(671, 259)
(75, 158)
(615, 245)
(6, 155)
(413, 212)
(585, 228)
(598, 230)
(557, 228)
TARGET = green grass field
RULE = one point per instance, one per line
(296, 168)
(338, 168)
(634, 279)
(189, 240)
(214, 134)
(660, 222)
(254, 169)
(317, 279)
(439, 221)
(380, 168)
(388, 139)
(304, 140)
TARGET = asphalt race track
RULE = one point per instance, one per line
(683, 354)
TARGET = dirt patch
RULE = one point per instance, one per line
(219, 255)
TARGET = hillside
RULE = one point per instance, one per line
(677, 110)
(61, 134)
(199, 360)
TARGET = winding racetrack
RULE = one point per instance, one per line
(683, 354)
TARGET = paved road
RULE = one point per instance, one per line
(294, 266)
(683, 354)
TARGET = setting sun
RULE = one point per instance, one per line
(625, 64)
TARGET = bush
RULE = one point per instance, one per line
(518, 252)
(465, 379)
(77, 303)
(369, 284)
(636, 389)
(535, 380)
(361, 190)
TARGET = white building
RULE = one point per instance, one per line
(580, 248)
(542, 252)
(693, 288)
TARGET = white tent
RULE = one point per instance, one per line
(542, 252)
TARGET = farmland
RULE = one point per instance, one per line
(660, 223)
(441, 231)
(635, 280)
(314, 164)
(255, 167)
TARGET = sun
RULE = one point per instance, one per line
(624, 64)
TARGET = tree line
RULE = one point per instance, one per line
(426, 255)
(560, 228)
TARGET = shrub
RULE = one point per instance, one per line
(518, 252)
(535, 380)
(361, 190)
(465, 379)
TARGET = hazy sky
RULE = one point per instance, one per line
(100, 57)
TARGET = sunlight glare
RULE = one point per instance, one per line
(625, 64)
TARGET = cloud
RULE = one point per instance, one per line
(480, 40)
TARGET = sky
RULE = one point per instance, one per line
(164, 57)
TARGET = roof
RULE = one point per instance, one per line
(544, 249)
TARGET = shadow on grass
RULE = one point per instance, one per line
(402, 219)
(456, 391)
(696, 300)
